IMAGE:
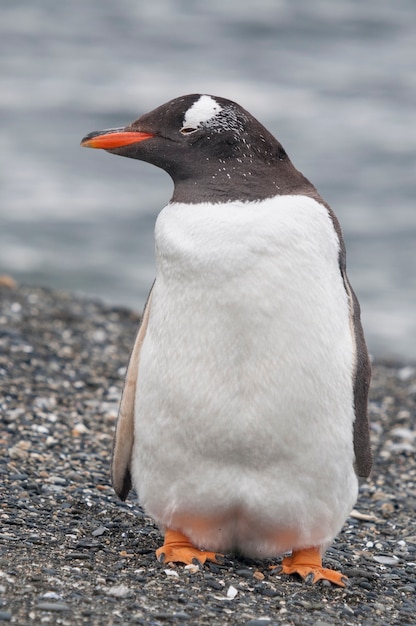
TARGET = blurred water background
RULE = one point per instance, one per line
(335, 81)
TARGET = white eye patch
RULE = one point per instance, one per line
(201, 112)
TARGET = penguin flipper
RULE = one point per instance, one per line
(307, 563)
(362, 370)
(361, 384)
(124, 435)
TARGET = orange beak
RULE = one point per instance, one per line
(113, 138)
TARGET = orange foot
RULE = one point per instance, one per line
(178, 549)
(308, 564)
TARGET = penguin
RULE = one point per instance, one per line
(243, 421)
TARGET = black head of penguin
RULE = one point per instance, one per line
(213, 149)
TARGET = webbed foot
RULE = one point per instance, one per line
(308, 564)
(178, 549)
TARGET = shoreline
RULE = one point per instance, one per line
(71, 553)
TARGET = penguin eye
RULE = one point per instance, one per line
(188, 130)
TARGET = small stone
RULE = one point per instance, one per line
(268, 592)
(52, 606)
(231, 592)
(364, 517)
(358, 572)
(171, 572)
(42, 430)
(45, 403)
(245, 573)
(5, 616)
(17, 452)
(79, 429)
(364, 584)
(51, 595)
(181, 616)
(99, 336)
(165, 616)
(214, 584)
(119, 591)
(18, 476)
(58, 480)
(387, 508)
(99, 531)
(404, 433)
(77, 556)
(386, 560)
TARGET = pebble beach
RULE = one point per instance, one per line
(71, 553)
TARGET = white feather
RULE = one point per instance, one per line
(203, 110)
(244, 399)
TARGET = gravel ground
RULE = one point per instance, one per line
(71, 553)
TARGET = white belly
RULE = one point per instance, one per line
(244, 405)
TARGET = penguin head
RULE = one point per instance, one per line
(212, 148)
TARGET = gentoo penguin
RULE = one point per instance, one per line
(243, 421)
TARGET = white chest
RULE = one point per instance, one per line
(247, 298)
(275, 259)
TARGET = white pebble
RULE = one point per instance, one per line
(51, 595)
(386, 560)
(40, 429)
(404, 433)
(99, 336)
(231, 592)
(171, 572)
(118, 591)
(79, 429)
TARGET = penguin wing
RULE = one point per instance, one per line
(361, 384)
(362, 369)
(124, 435)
